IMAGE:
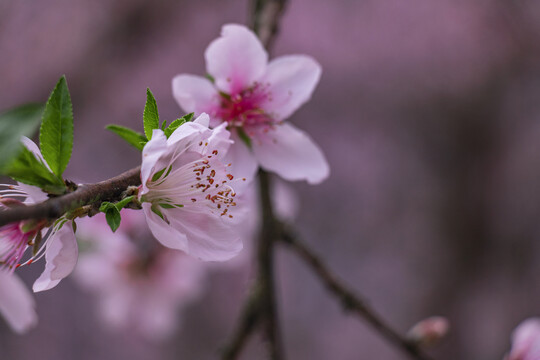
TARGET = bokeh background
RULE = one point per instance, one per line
(428, 112)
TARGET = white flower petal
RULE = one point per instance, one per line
(60, 256)
(291, 81)
(209, 237)
(292, 154)
(195, 93)
(152, 152)
(163, 232)
(243, 164)
(17, 304)
(236, 59)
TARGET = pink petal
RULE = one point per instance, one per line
(163, 232)
(209, 237)
(16, 303)
(195, 94)
(182, 136)
(60, 256)
(243, 163)
(236, 59)
(291, 81)
(292, 154)
(526, 341)
(152, 152)
(220, 140)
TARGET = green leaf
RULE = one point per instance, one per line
(14, 123)
(125, 201)
(150, 115)
(132, 137)
(30, 170)
(113, 217)
(177, 123)
(56, 134)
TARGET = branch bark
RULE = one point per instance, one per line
(348, 299)
(88, 194)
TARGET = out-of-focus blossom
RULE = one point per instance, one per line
(526, 341)
(429, 331)
(140, 284)
(187, 191)
(57, 240)
(253, 97)
(17, 305)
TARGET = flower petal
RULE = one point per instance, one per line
(291, 81)
(17, 304)
(152, 152)
(243, 163)
(209, 237)
(163, 232)
(292, 154)
(195, 94)
(60, 256)
(236, 59)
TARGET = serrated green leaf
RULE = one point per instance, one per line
(27, 169)
(134, 138)
(113, 217)
(56, 133)
(150, 115)
(177, 123)
(20, 121)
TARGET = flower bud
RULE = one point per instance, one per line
(429, 331)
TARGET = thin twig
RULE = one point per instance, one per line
(265, 260)
(349, 300)
(260, 307)
(88, 194)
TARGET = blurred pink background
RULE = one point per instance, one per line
(428, 113)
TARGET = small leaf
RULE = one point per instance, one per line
(132, 137)
(163, 125)
(150, 115)
(56, 134)
(125, 201)
(113, 217)
(177, 123)
(14, 123)
(28, 169)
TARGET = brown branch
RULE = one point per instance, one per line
(260, 308)
(88, 194)
(349, 300)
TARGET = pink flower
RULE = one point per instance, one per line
(186, 191)
(253, 97)
(17, 305)
(140, 284)
(526, 341)
(57, 239)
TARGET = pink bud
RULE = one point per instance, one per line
(429, 331)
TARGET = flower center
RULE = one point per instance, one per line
(200, 185)
(14, 241)
(244, 109)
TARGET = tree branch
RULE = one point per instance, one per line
(88, 194)
(349, 300)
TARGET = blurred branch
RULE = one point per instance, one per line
(266, 16)
(349, 300)
(88, 194)
(260, 307)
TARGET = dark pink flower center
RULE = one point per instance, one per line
(13, 243)
(244, 109)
